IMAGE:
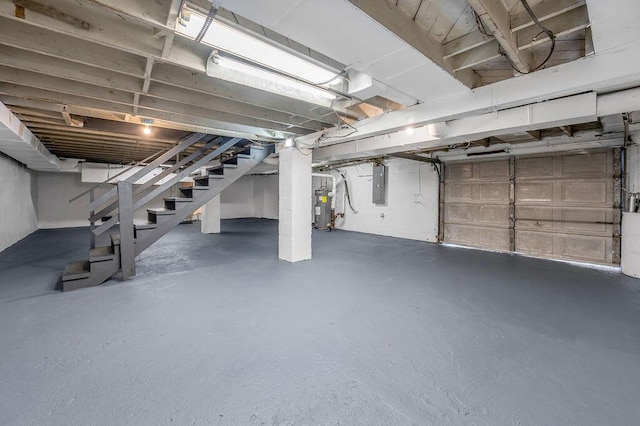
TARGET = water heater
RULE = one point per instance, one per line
(322, 209)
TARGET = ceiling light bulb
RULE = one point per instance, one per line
(409, 130)
(146, 130)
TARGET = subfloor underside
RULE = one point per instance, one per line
(214, 329)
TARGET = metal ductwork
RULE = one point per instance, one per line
(19, 143)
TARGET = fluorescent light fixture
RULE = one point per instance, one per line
(238, 43)
(288, 142)
(266, 75)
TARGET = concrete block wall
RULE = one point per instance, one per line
(56, 189)
(237, 200)
(18, 201)
(251, 196)
(411, 208)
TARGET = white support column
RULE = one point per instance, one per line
(294, 232)
(210, 219)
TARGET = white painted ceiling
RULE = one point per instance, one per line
(129, 66)
(341, 31)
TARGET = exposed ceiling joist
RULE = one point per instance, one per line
(495, 18)
(477, 56)
(401, 24)
(543, 11)
(465, 43)
(52, 12)
(83, 94)
(567, 23)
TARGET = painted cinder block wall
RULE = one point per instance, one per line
(18, 201)
(250, 196)
(411, 208)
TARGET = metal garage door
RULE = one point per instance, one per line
(476, 204)
(565, 207)
(562, 206)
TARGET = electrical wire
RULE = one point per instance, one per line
(324, 135)
(346, 188)
(338, 75)
(544, 29)
(207, 23)
(483, 30)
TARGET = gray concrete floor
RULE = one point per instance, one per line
(375, 330)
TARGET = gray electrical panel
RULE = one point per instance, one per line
(379, 184)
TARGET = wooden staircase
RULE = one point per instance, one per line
(235, 157)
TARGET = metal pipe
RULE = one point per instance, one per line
(334, 186)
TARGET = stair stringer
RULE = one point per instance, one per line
(216, 186)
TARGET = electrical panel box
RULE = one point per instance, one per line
(379, 184)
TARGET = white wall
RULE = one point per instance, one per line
(265, 190)
(251, 196)
(18, 200)
(237, 200)
(56, 189)
(411, 209)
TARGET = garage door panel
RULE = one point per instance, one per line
(570, 220)
(578, 192)
(493, 170)
(498, 191)
(534, 192)
(563, 205)
(571, 166)
(539, 167)
(477, 214)
(476, 204)
(459, 172)
(586, 192)
(534, 242)
(488, 192)
(591, 165)
(565, 246)
(459, 213)
(459, 191)
(477, 236)
(534, 213)
(602, 230)
(589, 221)
(588, 249)
(478, 171)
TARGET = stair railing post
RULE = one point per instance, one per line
(127, 243)
(92, 196)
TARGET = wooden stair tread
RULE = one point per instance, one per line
(178, 199)
(145, 225)
(76, 271)
(99, 254)
(161, 211)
